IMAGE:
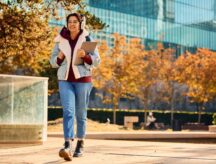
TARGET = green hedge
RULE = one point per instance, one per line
(101, 115)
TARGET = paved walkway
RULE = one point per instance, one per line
(113, 152)
(139, 135)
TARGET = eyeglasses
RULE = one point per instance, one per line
(73, 22)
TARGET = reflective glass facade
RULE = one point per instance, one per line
(185, 24)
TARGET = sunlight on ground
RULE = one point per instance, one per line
(92, 126)
(95, 126)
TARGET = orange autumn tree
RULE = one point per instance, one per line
(166, 78)
(118, 70)
(156, 73)
(107, 76)
(148, 78)
(26, 38)
(198, 72)
(133, 66)
(103, 74)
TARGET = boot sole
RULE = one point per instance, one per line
(65, 155)
(77, 155)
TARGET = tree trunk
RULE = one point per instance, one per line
(199, 107)
(145, 101)
(199, 113)
(114, 110)
(172, 107)
(145, 112)
(114, 115)
(199, 116)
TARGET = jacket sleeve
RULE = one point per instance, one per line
(53, 59)
(95, 58)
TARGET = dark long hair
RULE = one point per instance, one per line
(77, 15)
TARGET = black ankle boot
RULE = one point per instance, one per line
(79, 148)
(66, 151)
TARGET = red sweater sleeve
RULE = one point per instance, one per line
(87, 59)
(59, 61)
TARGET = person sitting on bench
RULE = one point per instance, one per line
(151, 121)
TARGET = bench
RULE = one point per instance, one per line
(129, 120)
(159, 126)
(194, 126)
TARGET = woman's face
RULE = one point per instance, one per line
(73, 24)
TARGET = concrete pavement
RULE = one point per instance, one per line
(142, 135)
(112, 151)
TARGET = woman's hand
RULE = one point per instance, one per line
(81, 53)
(61, 55)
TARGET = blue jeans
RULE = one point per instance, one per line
(74, 99)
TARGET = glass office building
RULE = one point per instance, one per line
(184, 24)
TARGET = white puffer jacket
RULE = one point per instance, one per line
(63, 45)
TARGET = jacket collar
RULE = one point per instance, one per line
(64, 34)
